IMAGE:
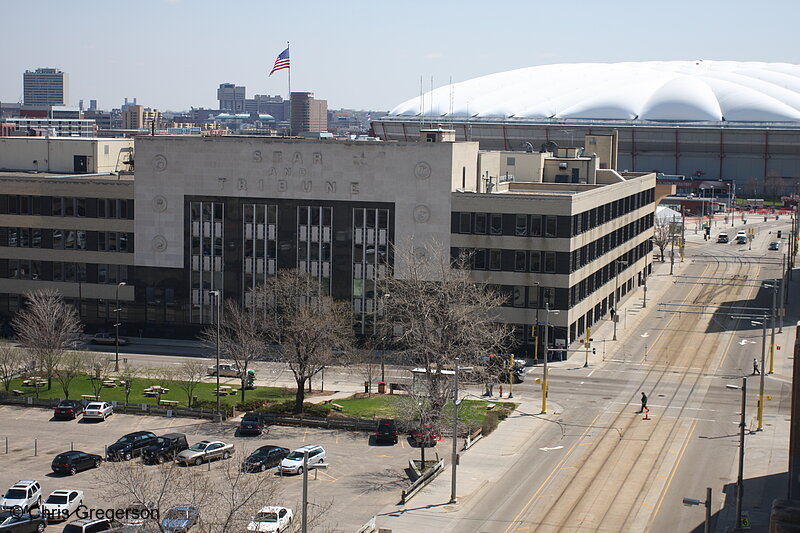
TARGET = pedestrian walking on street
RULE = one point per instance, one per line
(644, 402)
(755, 367)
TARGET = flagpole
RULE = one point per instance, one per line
(290, 87)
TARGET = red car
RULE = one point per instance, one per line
(426, 436)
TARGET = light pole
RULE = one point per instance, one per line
(672, 251)
(763, 325)
(547, 312)
(740, 478)
(454, 456)
(707, 504)
(772, 337)
(217, 299)
(535, 330)
(116, 330)
(616, 297)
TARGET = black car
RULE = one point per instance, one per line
(68, 409)
(387, 431)
(130, 445)
(165, 448)
(251, 424)
(23, 523)
(263, 458)
(73, 462)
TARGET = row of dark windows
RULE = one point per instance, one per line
(606, 273)
(66, 206)
(29, 269)
(513, 260)
(510, 224)
(67, 239)
(597, 248)
(524, 225)
(600, 215)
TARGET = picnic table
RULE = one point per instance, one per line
(109, 383)
(173, 403)
(89, 397)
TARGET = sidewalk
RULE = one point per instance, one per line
(487, 460)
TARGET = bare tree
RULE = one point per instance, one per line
(443, 315)
(73, 364)
(241, 337)
(236, 498)
(99, 366)
(190, 374)
(663, 233)
(308, 324)
(13, 363)
(47, 327)
(128, 373)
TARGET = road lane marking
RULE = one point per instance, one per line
(674, 471)
(586, 443)
(552, 473)
(590, 373)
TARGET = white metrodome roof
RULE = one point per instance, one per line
(732, 91)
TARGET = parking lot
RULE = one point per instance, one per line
(360, 480)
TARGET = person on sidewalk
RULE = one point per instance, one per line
(755, 367)
(644, 402)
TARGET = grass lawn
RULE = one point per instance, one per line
(387, 406)
(203, 391)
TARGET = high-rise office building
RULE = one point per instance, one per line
(308, 113)
(137, 117)
(231, 97)
(45, 86)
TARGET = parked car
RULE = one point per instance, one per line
(21, 523)
(263, 458)
(722, 238)
(293, 463)
(24, 494)
(387, 431)
(271, 519)
(61, 504)
(225, 369)
(98, 411)
(425, 436)
(137, 512)
(73, 462)
(69, 409)
(109, 339)
(130, 445)
(165, 448)
(251, 424)
(180, 518)
(93, 525)
(775, 245)
(205, 450)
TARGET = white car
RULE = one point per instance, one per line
(61, 504)
(271, 520)
(226, 370)
(98, 411)
(293, 463)
(24, 494)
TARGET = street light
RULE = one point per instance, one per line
(707, 504)
(116, 330)
(547, 312)
(763, 324)
(535, 330)
(454, 455)
(217, 299)
(616, 297)
(740, 477)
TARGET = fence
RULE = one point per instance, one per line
(351, 424)
(429, 475)
(119, 407)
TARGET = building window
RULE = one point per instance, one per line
(550, 226)
(496, 224)
(550, 262)
(548, 296)
(480, 223)
(536, 261)
(519, 260)
(511, 161)
(479, 259)
(495, 259)
(519, 296)
(521, 228)
(464, 225)
(533, 296)
(536, 225)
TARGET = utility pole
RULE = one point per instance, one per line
(511, 376)
(586, 345)
(672, 250)
(116, 330)
(615, 309)
(772, 338)
(454, 456)
(740, 479)
(546, 353)
(304, 523)
(761, 385)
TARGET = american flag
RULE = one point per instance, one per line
(281, 62)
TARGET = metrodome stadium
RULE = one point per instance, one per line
(716, 119)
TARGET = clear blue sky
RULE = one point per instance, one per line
(172, 54)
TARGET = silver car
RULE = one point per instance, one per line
(205, 450)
